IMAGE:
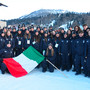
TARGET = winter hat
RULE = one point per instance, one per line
(50, 44)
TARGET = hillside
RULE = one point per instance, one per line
(46, 17)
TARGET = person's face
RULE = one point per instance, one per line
(73, 35)
(53, 32)
(76, 28)
(46, 35)
(62, 31)
(32, 29)
(41, 31)
(8, 33)
(70, 28)
(38, 29)
(27, 32)
(8, 45)
(69, 32)
(45, 29)
(37, 33)
(14, 30)
(2, 34)
(57, 35)
(5, 30)
(65, 36)
(50, 28)
(19, 32)
(88, 30)
(85, 27)
(23, 28)
(50, 47)
(88, 33)
(81, 34)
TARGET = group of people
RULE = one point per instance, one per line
(67, 50)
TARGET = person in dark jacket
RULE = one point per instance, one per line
(19, 43)
(44, 42)
(64, 51)
(73, 49)
(77, 29)
(52, 36)
(2, 41)
(14, 32)
(69, 33)
(50, 55)
(36, 42)
(5, 53)
(62, 33)
(27, 40)
(9, 40)
(42, 33)
(56, 46)
(85, 30)
(87, 55)
(32, 31)
(79, 52)
(23, 29)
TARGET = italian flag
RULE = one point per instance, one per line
(24, 63)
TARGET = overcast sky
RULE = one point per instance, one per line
(17, 8)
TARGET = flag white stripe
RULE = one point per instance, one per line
(25, 62)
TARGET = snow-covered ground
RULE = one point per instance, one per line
(36, 80)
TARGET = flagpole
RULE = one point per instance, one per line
(56, 68)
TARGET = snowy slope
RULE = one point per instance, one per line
(36, 80)
(66, 25)
(43, 12)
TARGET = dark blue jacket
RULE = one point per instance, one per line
(72, 46)
(64, 46)
(56, 44)
(85, 33)
(14, 34)
(11, 41)
(37, 46)
(87, 47)
(6, 53)
(27, 43)
(44, 44)
(50, 57)
(2, 42)
(19, 42)
(80, 46)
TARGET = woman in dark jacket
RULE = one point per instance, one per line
(56, 46)
(87, 55)
(65, 50)
(50, 55)
(19, 43)
(44, 42)
(27, 39)
(36, 41)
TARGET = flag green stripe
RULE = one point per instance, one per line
(33, 54)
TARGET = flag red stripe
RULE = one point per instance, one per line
(14, 67)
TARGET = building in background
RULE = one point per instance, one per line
(3, 24)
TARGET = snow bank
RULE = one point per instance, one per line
(36, 80)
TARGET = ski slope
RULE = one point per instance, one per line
(37, 80)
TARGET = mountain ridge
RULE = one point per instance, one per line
(43, 12)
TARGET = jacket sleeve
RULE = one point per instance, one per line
(86, 48)
(59, 47)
